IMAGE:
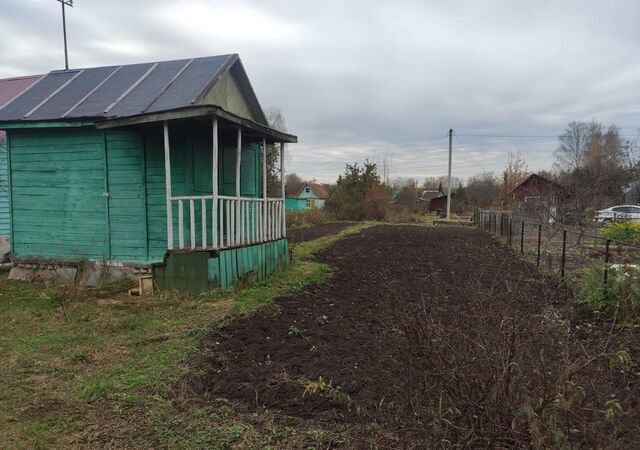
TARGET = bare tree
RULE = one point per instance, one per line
(293, 183)
(276, 121)
(571, 153)
(515, 171)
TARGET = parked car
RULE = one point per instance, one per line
(620, 212)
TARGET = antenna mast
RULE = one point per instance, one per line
(64, 31)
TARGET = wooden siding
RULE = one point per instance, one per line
(5, 226)
(57, 185)
(60, 177)
(198, 271)
(126, 187)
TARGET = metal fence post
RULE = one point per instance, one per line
(510, 231)
(501, 224)
(539, 238)
(522, 237)
(606, 261)
(564, 253)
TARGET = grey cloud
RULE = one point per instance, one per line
(359, 77)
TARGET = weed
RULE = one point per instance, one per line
(79, 357)
(294, 331)
(611, 409)
(323, 320)
(314, 387)
(619, 298)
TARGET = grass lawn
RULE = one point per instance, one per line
(102, 369)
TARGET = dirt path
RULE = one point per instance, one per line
(423, 334)
(314, 232)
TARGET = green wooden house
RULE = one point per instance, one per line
(153, 168)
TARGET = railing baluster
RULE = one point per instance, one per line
(192, 224)
(204, 223)
(228, 217)
(180, 225)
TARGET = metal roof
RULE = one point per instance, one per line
(126, 91)
(10, 88)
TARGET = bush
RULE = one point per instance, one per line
(627, 232)
(308, 217)
(620, 297)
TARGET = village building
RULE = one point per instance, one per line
(314, 194)
(537, 197)
(154, 168)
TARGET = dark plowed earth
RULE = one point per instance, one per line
(316, 231)
(434, 334)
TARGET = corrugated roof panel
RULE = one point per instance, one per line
(130, 90)
(148, 90)
(17, 109)
(10, 88)
(113, 88)
(60, 103)
(191, 83)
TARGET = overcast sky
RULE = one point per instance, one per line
(358, 78)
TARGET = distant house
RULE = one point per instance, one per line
(315, 194)
(537, 197)
(10, 88)
(431, 200)
(155, 168)
(439, 204)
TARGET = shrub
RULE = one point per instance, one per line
(620, 297)
(627, 232)
(308, 217)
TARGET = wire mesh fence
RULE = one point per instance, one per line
(561, 250)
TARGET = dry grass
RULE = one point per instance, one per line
(89, 369)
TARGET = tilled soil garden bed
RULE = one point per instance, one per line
(431, 337)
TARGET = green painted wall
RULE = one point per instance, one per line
(295, 204)
(5, 225)
(60, 175)
(201, 271)
(57, 185)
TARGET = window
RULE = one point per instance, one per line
(532, 199)
(309, 202)
(307, 190)
(620, 209)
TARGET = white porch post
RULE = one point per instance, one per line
(214, 185)
(238, 223)
(282, 206)
(167, 178)
(264, 189)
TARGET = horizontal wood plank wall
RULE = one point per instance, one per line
(127, 216)
(4, 190)
(58, 182)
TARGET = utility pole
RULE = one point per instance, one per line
(449, 177)
(64, 31)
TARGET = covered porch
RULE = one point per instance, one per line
(216, 179)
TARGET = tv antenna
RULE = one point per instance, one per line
(64, 31)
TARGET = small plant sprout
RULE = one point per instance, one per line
(314, 387)
(294, 331)
(323, 319)
(612, 409)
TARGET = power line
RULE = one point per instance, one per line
(468, 154)
(527, 136)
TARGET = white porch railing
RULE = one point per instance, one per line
(236, 221)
